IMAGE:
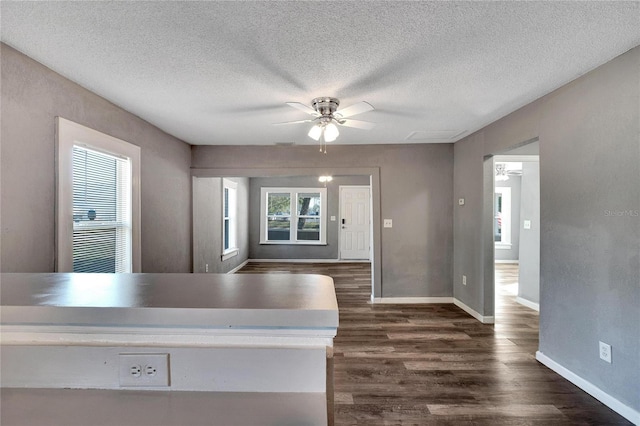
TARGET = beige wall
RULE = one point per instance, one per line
(32, 96)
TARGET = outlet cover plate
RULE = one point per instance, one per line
(605, 352)
(388, 223)
(154, 370)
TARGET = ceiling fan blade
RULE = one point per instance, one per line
(303, 108)
(358, 124)
(354, 109)
(293, 122)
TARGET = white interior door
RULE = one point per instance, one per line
(355, 222)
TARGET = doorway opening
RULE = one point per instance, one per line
(206, 211)
(516, 228)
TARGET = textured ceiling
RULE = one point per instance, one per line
(221, 72)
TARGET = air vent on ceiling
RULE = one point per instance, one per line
(434, 135)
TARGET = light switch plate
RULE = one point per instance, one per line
(527, 224)
(388, 223)
(333, 218)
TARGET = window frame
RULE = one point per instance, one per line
(233, 249)
(293, 216)
(505, 238)
(68, 135)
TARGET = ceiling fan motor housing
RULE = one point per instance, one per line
(325, 106)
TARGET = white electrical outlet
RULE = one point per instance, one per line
(464, 280)
(144, 370)
(388, 223)
(605, 352)
(135, 370)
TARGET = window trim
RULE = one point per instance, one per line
(232, 251)
(293, 192)
(69, 134)
(505, 242)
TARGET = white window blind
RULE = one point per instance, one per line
(97, 201)
(101, 212)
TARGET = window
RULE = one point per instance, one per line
(229, 219)
(293, 216)
(502, 217)
(97, 201)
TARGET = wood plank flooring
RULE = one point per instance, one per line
(436, 365)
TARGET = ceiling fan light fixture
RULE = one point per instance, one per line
(501, 172)
(326, 123)
(315, 132)
(330, 132)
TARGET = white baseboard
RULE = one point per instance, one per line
(482, 318)
(415, 300)
(237, 268)
(528, 303)
(625, 411)
(516, 262)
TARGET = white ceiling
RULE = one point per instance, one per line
(221, 72)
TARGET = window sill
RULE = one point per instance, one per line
(229, 254)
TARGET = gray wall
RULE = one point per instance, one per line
(207, 225)
(529, 282)
(589, 142)
(329, 251)
(514, 183)
(468, 172)
(32, 96)
(415, 191)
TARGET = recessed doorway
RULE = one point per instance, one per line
(516, 229)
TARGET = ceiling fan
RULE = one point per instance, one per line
(326, 115)
(504, 170)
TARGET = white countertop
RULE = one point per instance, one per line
(218, 301)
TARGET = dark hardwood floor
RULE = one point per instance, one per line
(436, 365)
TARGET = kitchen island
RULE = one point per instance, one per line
(237, 336)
